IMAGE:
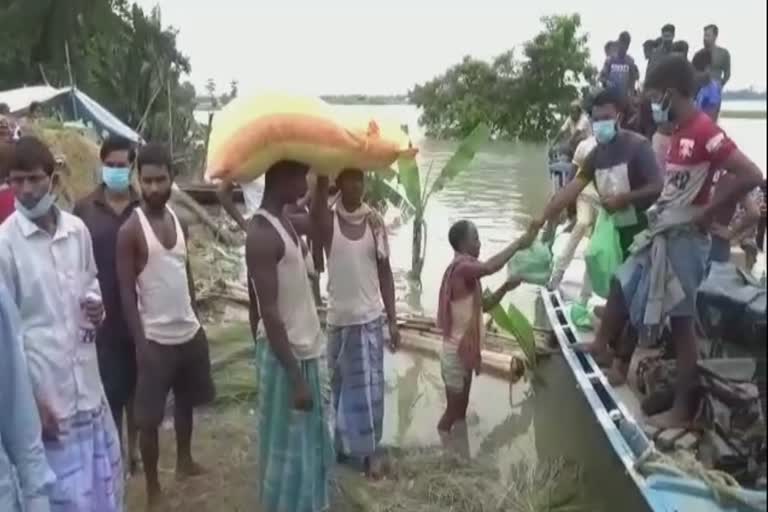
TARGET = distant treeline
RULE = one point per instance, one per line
(364, 99)
(745, 94)
(205, 102)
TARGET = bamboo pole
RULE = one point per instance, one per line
(71, 81)
(170, 117)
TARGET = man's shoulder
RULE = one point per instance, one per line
(73, 223)
(261, 234)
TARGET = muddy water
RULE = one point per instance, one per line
(535, 422)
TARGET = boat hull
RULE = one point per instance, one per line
(616, 429)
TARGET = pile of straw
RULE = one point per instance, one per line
(433, 480)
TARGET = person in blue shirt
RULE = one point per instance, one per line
(23, 463)
(708, 97)
(620, 71)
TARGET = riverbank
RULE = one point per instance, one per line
(744, 114)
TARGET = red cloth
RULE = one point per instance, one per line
(6, 204)
(469, 346)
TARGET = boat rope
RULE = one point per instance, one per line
(724, 487)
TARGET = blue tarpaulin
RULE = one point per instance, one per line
(73, 104)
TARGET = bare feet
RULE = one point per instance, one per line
(188, 469)
(446, 423)
(155, 498)
(134, 466)
(617, 373)
(673, 418)
(373, 468)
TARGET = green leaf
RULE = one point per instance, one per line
(410, 180)
(462, 157)
(523, 332)
(514, 323)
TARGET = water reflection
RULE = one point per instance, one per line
(499, 419)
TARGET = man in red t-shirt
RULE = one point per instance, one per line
(686, 207)
(659, 281)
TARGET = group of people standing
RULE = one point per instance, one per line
(672, 187)
(101, 325)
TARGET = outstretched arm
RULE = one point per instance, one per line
(472, 270)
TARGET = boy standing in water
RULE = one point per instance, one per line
(460, 313)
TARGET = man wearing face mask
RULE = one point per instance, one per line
(659, 282)
(622, 167)
(48, 267)
(104, 211)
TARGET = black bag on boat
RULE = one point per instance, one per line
(728, 412)
(731, 307)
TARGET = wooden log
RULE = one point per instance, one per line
(218, 227)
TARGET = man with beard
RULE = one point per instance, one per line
(361, 305)
(157, 292)
(293, 409)
(48, 268)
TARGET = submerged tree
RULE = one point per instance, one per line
(515, 98)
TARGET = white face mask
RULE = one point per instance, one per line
(42, 207)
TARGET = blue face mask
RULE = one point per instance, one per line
(660, 114)
(116, 178)
(604, 131)
(42, 207)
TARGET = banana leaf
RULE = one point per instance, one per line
(410, 181)
(513, 322)
(463, 156)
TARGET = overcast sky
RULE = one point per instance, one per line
(385, 47)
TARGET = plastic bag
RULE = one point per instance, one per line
(581, 317)
(532, 265)
(603, 255)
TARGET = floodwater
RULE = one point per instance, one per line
(506, 184)
(534, 423)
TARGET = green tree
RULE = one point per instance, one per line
(516, 98)
(118, 54)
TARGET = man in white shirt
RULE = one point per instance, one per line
(576, 125)
(586, 214)
(47, 265)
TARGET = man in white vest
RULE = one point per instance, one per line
(157, 292)
(361, 308)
